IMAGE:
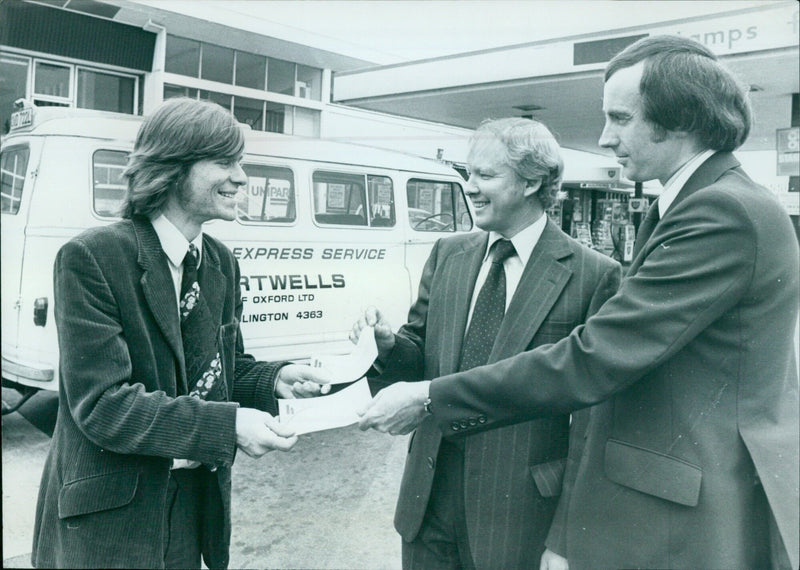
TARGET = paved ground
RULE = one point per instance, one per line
(327, 504)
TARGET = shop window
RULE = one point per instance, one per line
(105, 92)
(14, 78)
(171, 91)
(281, 76)
(52, 81)
(182, 57)
(250, 112)
(309, 83)
(221, 99)
(437, 207)
(251, 70)
(217, 64)
(276, 120)
(269, 195)
(109, 188)
(292, 120)
(13, 166)
(339, 199)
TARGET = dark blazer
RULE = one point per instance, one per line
(512, 476)
(695, 443)
(101, 500)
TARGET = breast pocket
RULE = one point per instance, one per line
(553, 331)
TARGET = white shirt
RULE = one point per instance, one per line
(524, 242)
(679, 179)
(175, 245)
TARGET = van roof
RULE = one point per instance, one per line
(61, 121)
(278, 145)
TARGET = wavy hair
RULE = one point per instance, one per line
(684, 87)
(179, 133)
(530, 149)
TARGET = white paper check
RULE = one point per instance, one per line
(350, 367)
(306, 415)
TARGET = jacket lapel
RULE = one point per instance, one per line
(543, 279)
(159, 290)
(708, 173)
(212, 281)
(458, 283)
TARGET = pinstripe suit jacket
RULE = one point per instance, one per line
(120, 421)
(513, 475)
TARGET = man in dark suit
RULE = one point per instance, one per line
(487, 501)
(691, 454)
(139, 469)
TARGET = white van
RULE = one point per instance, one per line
(325, 230)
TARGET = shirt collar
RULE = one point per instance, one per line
(679, 179)
(524, 241)
(173, 242)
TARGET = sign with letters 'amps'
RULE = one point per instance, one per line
(788, 150)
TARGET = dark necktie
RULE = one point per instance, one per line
(203, 364)
(646, 229)
(490, 307)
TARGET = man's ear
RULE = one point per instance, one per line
(532, 187)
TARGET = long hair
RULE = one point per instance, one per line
(179, 133)
(684, 87)
(530, 150)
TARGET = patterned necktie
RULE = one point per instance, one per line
(489, 310)
(646, 229)
(203, 364)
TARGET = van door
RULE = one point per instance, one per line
(16, 180)
(436, 209)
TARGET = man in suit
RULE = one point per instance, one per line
(691, 454)
(487, 501)
(151, 380)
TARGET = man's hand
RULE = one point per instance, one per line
(258, 433)
(384, 337)
(301, 381)
(552, 561)
(397, 409)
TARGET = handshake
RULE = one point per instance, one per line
(397, 409)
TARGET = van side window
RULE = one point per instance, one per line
(339, 199)
(108, 186)
(269, 195)
(353, 199)
(437, 206)
(13, 166)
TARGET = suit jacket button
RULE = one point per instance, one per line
(454, 426)
(482, 419)
(431, 462)
(473, 422)
(464, 424)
